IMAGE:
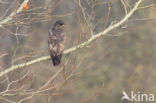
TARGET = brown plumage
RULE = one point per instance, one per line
(56, 42)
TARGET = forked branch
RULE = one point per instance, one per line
(111, 27)
(7, 19)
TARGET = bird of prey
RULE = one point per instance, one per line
(56, 40)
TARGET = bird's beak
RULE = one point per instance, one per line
(62, 25)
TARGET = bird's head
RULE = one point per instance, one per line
(59, 24)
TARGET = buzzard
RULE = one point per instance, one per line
(56, 42)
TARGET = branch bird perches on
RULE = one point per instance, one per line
(111, 27)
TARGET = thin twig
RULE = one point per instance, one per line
(111, 27)
(2, 22)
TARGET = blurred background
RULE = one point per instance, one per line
(122, 60)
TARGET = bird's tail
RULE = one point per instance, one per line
(56, 60)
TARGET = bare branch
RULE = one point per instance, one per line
(102, 33)
(2, 22)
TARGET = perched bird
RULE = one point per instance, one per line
(56, 40)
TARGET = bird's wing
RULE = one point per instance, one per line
(52, 43)
(61, 42)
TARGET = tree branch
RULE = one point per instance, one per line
(2, 22)
(111, 27)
